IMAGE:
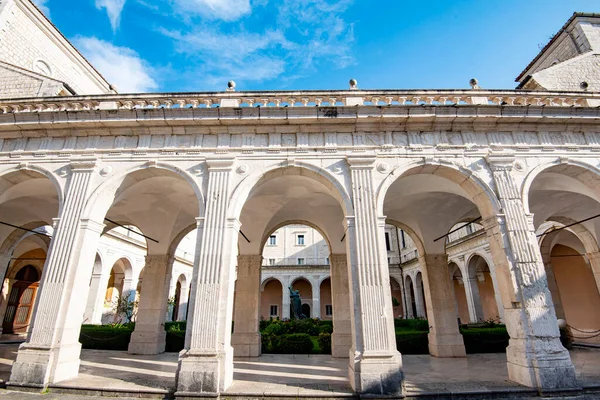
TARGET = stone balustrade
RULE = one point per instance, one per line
(302, 99)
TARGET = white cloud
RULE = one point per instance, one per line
(307, 35)
(41, 4)
(226, 10)
(113, 9)
(121, 66)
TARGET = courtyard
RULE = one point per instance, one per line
(117, 373)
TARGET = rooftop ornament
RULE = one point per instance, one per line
(353, 84)
(474, 84)
(231, 86)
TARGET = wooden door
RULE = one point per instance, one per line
(20, 305)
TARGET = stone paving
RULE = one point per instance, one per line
(118, 373)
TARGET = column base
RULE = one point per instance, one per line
(246, 344)
(42, 366)
(446, 345)
(148, 343)
(341, 343)
(548, 371)
(199, 372)
(376, 373)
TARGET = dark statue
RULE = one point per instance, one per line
(296, 304)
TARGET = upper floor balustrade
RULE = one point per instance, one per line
(273, 99)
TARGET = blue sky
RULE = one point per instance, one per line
(198, 45)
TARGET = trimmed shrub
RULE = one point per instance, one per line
(324, 341)
(326, 329)
(412, 342)
(175, 336)
(105, 337)
(175, 325)
(295, 343)
(417, 324)
(485, 340)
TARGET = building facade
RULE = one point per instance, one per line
(524, 165)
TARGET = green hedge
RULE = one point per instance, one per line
(105, 337)
(412, 342)
(412, 324)
(485, 340)
(324, 341)
(294, 343)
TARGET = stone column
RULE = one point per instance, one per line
(95, 302)
(595, 265)
(419, 300)
(316, 299)
(375, 364)
(497, 293)
(51, 352)
(408, 297)
(285, 300)
(553, 286)
(473, 297)
(246, 310)
(206, 362)
(149, 335)
(183, 303)
(535, 356)
(341, 339)
(445, 339)
(6, 288)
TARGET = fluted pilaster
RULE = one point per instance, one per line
(51, 353)
(206, 364)
(375, 364)
(535, 356)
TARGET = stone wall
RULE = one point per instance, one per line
(29, 41)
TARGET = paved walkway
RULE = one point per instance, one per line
(116, 372)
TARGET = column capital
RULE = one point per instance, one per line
(83, 165)
(363, 161)
(221, 164)
(500, 161)
(234, 223)
(92, 225)
(349, 221)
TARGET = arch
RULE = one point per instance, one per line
(488, 204)
(107, 191)
(267, 280)
(126, 266)
(585, 236)
(25, 168)
(301, 278)
(17, 235)
(180, 236)
(413, 235)
(28, 273)
(242, 191)
(546, 167)
(182, 279)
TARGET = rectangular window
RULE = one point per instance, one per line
(328, 310)
(469, 229)
(273, 312)
(300, 240)
(387, 241)
(326, 262)
(271, 261)
(301, 261)
(272, 240)
(403, 240)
